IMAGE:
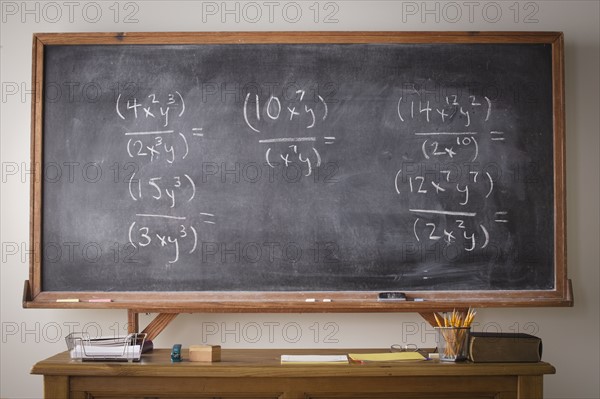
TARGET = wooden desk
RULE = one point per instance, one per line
(256, 373)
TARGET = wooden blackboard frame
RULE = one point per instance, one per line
(363, 301)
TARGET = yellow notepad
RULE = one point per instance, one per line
(385, 357)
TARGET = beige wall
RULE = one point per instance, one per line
(570, 336)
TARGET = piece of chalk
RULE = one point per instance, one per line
(326, 300)
(100, 300)
(310, 300)
(68, 300)
(419, 300)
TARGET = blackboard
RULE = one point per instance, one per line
(352, 166)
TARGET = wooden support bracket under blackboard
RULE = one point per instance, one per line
(154, 328)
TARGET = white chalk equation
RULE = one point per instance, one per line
(162, 109)
(157, 187)
(461, 113)
(291, 154)
(297, 112)
(455, 208)
(161, 188)
(158, 145)
(448, 145)
(454, 108)
(434, 146)
(454, 201)
(183, 239)
(458, 224)
(445, 182)
(453, 226)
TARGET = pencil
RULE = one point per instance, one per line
(456, 324)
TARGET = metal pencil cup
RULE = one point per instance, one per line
(452, 343)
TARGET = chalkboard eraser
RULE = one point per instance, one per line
(71, 300)
(391, 296)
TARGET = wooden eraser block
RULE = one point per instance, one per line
(205, 353)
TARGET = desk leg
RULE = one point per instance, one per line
(56, 386)
(530, 387)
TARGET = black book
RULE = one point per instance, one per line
(504, 347)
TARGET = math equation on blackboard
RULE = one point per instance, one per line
(456, 193)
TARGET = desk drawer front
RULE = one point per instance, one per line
(481, 387)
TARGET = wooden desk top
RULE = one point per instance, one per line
(266, 363)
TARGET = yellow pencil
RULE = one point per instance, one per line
(437, 320)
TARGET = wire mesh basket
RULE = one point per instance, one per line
(126, 349)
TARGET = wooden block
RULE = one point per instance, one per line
(205, 353)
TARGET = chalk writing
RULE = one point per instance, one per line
(184, 238)
(444, 181)
(301, 114)
(453, 108)
(451, 230)
(160, 108)
(453, 190)
(174, 234)
(158, 147)
(296, 111)
(160, 188)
